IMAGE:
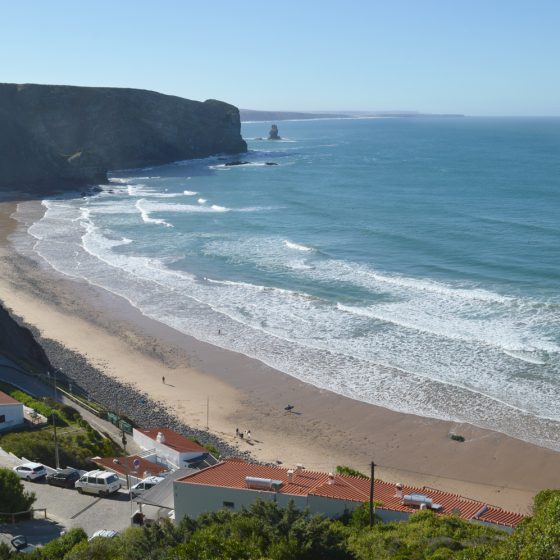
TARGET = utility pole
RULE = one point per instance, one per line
(372, 476)
(56, 456)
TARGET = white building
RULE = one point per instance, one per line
(11, 412)
(168, 447)
(234, 484)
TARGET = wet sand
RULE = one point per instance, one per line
(206, 385)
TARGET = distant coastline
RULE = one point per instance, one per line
(250, 115)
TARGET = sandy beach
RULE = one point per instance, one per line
(207, 387)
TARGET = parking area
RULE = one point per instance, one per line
(66, 508)
(91, 513)
(37, 532)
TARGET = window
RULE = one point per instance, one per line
(229, 505)
(2, 418)
(101, 481)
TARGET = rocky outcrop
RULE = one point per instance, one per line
(273, 134)
(60, 136)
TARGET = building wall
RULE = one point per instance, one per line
(193, 499)
(331, 507)
(162, 451)
(11, 416)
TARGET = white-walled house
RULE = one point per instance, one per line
(168, 446)
(11, 412)
(233, 484)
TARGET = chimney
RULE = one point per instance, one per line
(331, 478)
(299, 467)
(399, 490)
(160, 438)
(290, 475)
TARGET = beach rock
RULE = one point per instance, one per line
(65, 136)
(232, 163)
(270, 163)
(273, 134)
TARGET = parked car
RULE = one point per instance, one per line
(19, 542)
(105, 534)
(31, 471)
(65, 478)
(98, 482)
(145, 484)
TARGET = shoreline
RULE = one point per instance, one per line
(324, 430)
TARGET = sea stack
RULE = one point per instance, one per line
(273, 134)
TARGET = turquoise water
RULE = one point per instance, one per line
(411, 263)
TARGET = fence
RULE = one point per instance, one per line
(119, 422)
(30, 514)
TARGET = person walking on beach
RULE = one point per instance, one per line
(248, 436)
(163, 379)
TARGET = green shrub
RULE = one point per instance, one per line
(13, 496)
(212, 449)
(341, 469)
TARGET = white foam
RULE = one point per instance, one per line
(142, 191)
(190, 193)
(182, 208)
(202, 201)
(413, 345)
(146, 215)
(297, 246)
(530, 358)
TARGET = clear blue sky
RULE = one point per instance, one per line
(479, 57)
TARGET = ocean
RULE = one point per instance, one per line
(411, 263)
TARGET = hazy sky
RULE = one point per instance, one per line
(479, 57)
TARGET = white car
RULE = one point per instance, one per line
(104, 534)
(98, 482)
(31, 471)
(145, 484)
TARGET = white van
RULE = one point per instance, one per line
(98, 482)
(144, 485)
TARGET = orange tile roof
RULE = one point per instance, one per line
(173, 440)
(126, 465)
(231, 474)
(6, 399)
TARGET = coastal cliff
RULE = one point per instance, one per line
(17, 343)
(64, 136)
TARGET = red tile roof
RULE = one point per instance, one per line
(126, 466)
(6, 399)
(173, 440)
(231, 474)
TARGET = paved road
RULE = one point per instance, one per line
(38, 531)
(11, 373)
(91, 513)
(66, 509)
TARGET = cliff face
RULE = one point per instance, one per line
(18, 344)
(65, 135)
